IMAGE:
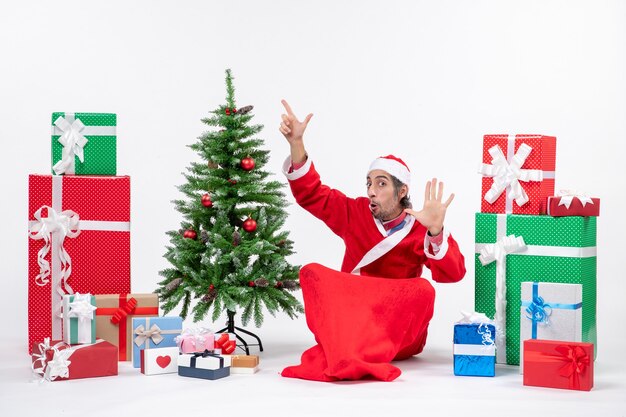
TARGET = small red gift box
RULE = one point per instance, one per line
(79, 240)
(57, 360)
(518, 173)
(570, 204)
(558, 364)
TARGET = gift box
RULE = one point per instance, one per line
(474, 346)
(550, 311)
(159, 361)
(511, 249)
(202, 365)
(114, 318)
(558, 364)
(79, 242)
(225, 343)
(518, 173)
(57, 360)
(572, 204)
(154, 332)
(79, 320)
(193, 340)
(84, 143)
(243, 364)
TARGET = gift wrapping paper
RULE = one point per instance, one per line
(558, 364)
(474, 349)
(114, 318)
(558, 206)
(79, 318)
(79, 242)
(84, 143)
(159, 361)
(193, 340)
(516, 180)
(550, 311)
(57, 361)
(202, 365)
(154, 332)
(555, 249)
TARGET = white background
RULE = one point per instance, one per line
(423, 80)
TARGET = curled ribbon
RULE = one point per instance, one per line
(73, 143)
(81, 307)
(123, 312)
(58, 366)
(497, 252)
(509, 174)
(143, 334)
(65, 224)
(567, 196)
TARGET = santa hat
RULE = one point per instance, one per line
(394, 166)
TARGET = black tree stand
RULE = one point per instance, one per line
(230, 328)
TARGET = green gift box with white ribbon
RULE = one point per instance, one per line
(79, 318)
(511, 249)
(84, 143)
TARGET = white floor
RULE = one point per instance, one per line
(426, 385)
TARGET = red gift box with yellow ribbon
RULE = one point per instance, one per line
(558, 364)
(114, 314)
(79, 228)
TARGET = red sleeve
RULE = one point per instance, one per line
(329, 205)
(451, 266)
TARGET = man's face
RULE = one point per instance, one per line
(384, 203)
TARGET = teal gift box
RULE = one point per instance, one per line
(84, 143)
(79, 319)
(511, 249)
(153, 332)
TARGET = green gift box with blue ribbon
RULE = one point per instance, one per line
(511, 249)
(550, 311)
(84, 143)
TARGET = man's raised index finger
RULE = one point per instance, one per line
(287, 107)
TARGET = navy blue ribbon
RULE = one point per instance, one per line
(538, 311)
(205, 354)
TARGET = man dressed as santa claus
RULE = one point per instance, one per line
(362, 321)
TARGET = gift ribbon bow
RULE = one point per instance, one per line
(225, 343)
(497, 252)
(538, 310)
(567, 196)
(200, 338)
(143, 334)
(509, 174)
(58, 366)
(81, 307)
(122, 312)
(574, 358)
(73, 143)
(64, 224)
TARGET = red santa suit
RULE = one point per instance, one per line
(360, 321)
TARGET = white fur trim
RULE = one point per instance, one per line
(384, 246)
(393, 167)
(443, 249)
(297, 173)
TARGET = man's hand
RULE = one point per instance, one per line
(434, 211)
(293, 130)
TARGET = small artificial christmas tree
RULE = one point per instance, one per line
(230, 253)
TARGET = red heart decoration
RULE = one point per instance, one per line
(163, 361)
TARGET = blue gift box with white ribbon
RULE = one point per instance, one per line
(154, 332)
(550, 311)
(474, 349)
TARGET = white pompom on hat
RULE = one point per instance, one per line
(394, 166)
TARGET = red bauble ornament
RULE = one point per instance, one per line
(190, 234)
(249, 225)
(234, 109)
(206, 201)
(279, 284)
(233, 182)
(251, 284)
(247, 164)
(227, 111)
(211, 286)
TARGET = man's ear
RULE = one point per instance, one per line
(404, 191)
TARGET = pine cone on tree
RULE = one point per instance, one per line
(245, 109)
(236, 238)
(290, 285)
(213, 165)
(204, 236)
(261, 282)
(173, 284)
(209, 296)
(181, 231)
